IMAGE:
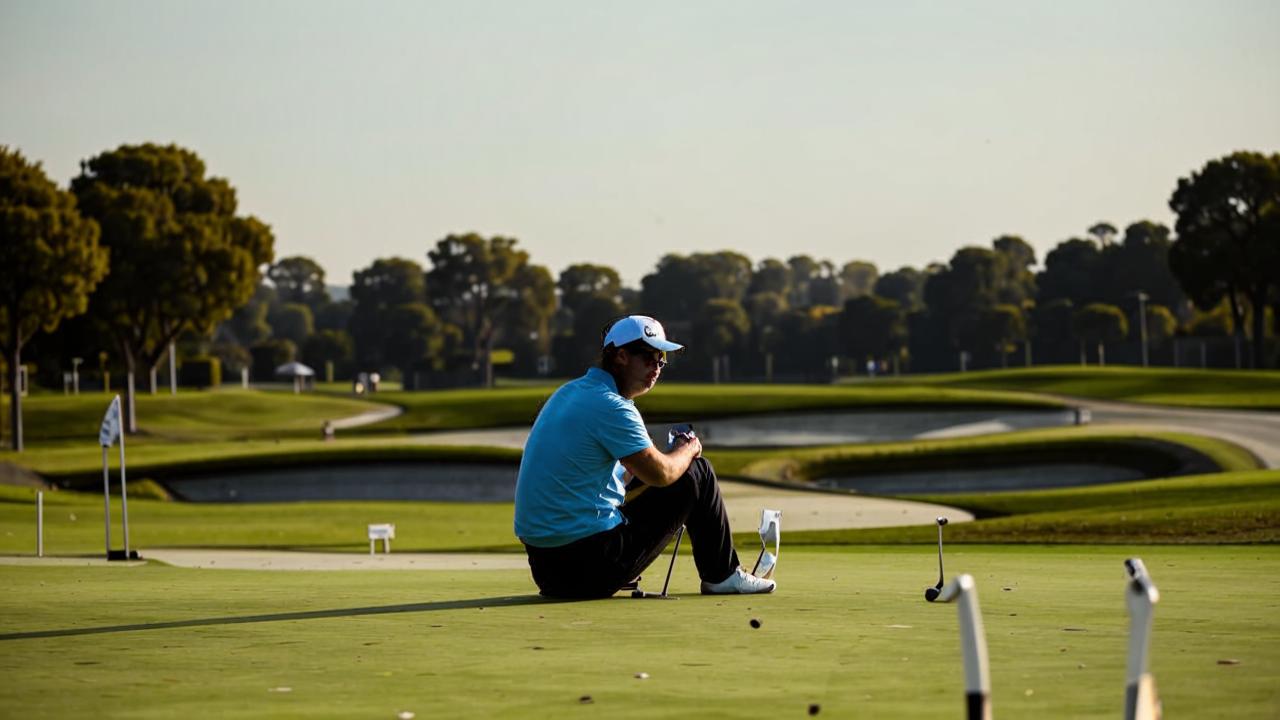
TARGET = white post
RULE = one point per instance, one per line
(244, 378)
(39, 523)
(124, 499)
(173, 371)
(106, 499)
(75, 375)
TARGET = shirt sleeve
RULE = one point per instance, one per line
(620, 429)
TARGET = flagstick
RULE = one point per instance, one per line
(124, 497)
(106, 499)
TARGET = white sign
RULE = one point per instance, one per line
(110, 431)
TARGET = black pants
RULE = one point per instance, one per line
(598, 565)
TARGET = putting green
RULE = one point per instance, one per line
(848, 631)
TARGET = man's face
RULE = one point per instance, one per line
(641, 369)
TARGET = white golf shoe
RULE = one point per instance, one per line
(740, 582)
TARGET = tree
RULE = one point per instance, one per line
(722, 328)
(50, 261)
(414, 338)
(375, 290)
(248, 323)
(680, 285)
(473, 281)
(1229, 237)
(582, 282)
(858, 278)
(329, 346)
(1018, 283)
(181, 259)
(1099, 324)
(771, 275)
(1161, 324)
(872, 327)
(299, 279)
(591, 297)
(1072, 270)
(765, 310)
(293, 321)
(960, 294)
(813, 282)
(1001, 328)
(1104, 232)
(524, 324)
(904, 286)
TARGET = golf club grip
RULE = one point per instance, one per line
(977, 706)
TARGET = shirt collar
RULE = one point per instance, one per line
(603, 377)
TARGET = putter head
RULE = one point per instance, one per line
(952, 590)
(941, 521)
(770, 532)
(931, 594)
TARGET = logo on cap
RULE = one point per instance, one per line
(648, 331)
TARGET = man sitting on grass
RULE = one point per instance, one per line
(587, 443)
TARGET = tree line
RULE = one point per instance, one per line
(144, 249)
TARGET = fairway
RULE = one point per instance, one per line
(847, 630)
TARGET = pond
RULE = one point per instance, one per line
(811, 428)
(453, 482)
(830, 428)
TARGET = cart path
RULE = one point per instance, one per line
(1255, 430)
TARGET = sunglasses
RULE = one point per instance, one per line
(655, 357)
(770, 532)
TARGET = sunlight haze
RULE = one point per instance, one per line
(616, 132)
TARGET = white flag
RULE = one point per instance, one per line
(110, 431)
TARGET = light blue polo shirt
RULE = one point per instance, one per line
(570, 482)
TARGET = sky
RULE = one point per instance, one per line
(617, 132)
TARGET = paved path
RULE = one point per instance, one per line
(1256, 430)
(382, 412)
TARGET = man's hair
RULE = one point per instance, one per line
(610, 352)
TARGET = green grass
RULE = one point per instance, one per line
(1236, 507)
(1241, 389)
(847, 630)
(73, 524)
(188, 416)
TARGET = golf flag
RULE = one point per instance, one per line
(110, 431)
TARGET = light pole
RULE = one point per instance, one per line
(1142, 323)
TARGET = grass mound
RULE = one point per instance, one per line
(1242, 389)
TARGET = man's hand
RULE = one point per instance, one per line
(662, 469)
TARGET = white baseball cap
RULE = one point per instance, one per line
(640, 327)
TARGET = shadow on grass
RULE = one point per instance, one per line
(504, 601)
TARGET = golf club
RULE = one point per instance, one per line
(1141, 596)
(973, 645)
(770, 532)
(642, 595)
(931, 594)
(681, 431)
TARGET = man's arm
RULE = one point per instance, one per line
(662, 469)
